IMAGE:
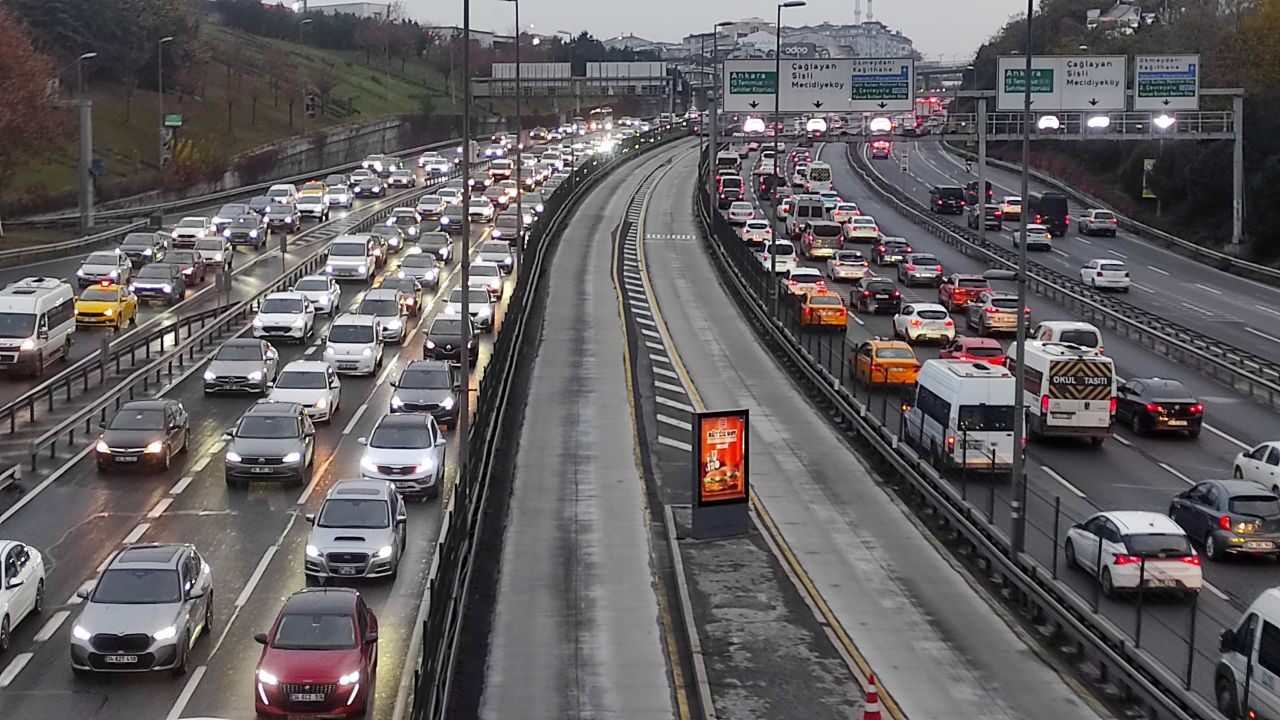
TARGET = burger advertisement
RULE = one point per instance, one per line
(720, 469)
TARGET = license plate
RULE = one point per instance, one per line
(883, 297)
(345, 570)
(120, 659)
(897, 370)
(1161, 583)
(260, 470)
(306, 697)
(127, 459)
(1259, 545)
(1061, 415)
(347, 366)
(1176, 423)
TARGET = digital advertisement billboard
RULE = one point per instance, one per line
(720, 465)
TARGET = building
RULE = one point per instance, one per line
(482, 38)
(754, 38)
(359, 9)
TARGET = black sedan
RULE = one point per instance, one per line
(1237, 517)
(369, 187)
(891, 251)
(143, 434)
(1158, 405)
(872, 294)
(444, 339)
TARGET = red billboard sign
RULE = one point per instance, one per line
(720, 466)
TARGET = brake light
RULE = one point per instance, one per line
(1197, 409)
(992, 310)
(1224, 522)
(907, 249)
(1044, 404)
(880, 248)
(866, 293)
(793, 282)
(949, 323)
(1037, 218)
(822, 284)
(104, 283)
(897, 294)
(1127, 560)
(1099, 273)
(1113, 406)
(915, 322)
(1154, 408)
(875, 229)
(874, 367)
(939, 268)
(1190, 559)
(806, 311)
(1068, 219)
(911, 267)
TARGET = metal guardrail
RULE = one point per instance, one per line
(1065, 617)
(1209, 256)
(15, 256)
(448, 582)
(1243, 371)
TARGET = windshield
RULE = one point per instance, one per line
(983, 352)
(850, 257)
(826, 231)
(429, 200)
(447, 327)
(825, 300)
(401, 437)
(138, 420)
(249, 221)
(1102, 215)
(280, 210)
(302, 380)
(894, 354)
(419, 261)
(985, 418)
(507, 221)
(1083, 338)
(432, 379)
(137, 241)
(475, 297)
(240, 352)
(495, 247)
(138, 587)
(1012, 201)
(191, 223)
(279, 192)
(382, 307)
(1004, 303)
(281, 306)
(924, 260)
(348, 249)
(351, 334)
(1158, 545)
(971, 283)
(783, 248)
(209, 244)
(181, 257)
(354, 513)
(485, 271)
(268, 427)
(102, 258)
(95, 294)
(158, 271)
(315, 632)
(312, 285)
(1112, 266)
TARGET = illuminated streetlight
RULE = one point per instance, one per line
(1098, 122)
(1164, 121)
(1048, 122)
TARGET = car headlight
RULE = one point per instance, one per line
(364, 267)
(217, 257)
(413, 231)
(257, 322)
(255, 376)
(109, 312)
(80, 273)
(451, 309)
(321, 404)
(226, 233)
(396, 401)
(353, 677)
(148, 251)
(431, 345)
(328, 350)
(400, 273)
(313, 551)
(298, 322)
(155, 447)
(165, 633)
(368, 464)
(267, 678)
(366, 352)
(208, 375)
(28, 344)
(253, 233)
(484, 311)
(102, 447)
(424, 466)
(447, 403)
(328, 268)
(444, 221)
(168, 289)
(384, 552)
(292, 457)
(394, 325)
(233, 456)
(80, 633)
(114, 274)
(497, 233)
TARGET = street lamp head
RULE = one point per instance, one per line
(305, 21)
(88, 56)
(165, 39)
(793, 3)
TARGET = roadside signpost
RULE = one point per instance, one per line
(1166, 82)
(749, 85)
(1062, 82)
(813, 86)
(883, 85)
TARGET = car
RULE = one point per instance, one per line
(862, 228)
(740, 212)
(144, 247)
(322, 291)
(359, 532)
(358, 176)
(975, 349)
(786, 203)
(958, 289)
(497, 198)
(481, 306)
(506, 227)
(373, 163)
(509, 187)
(830, 199)
(880, 149)
(248, 229)
(421, 267)
(844, 212)
(258, 204)
(283, 218)
(731, 189)
(823, 309)
(188, 230)
(286, 316)
(1011, 208)
(339, 195)
(891, 251)
(408, 220)
(312, 384)
(1229, 517)
(283, 193)
(428, 386)
(533, 201)
(1124, 547)
(215, 251)
(497, 252)
(273, 441)
(22, 587)
(919, 268)
(313, 202)
(191, 263)
(756, 233)
(159, 281)
(452, 218)
(430, 207)
(227, 213)
(352, 257)
(488, 276)
(994, 217)
(847, 266)
(433, 163)
(435, 243)
(401, 179)
(919, 322)
(1038, 237)
(480, 209)
(451, 194)
(385, 304)
(495, 150)
(1106, 274)
(478, 181)
(145, 612)
(883, 362)
(393, 236)
(1260, 464)
(354, 344)
(371, 186)
(242, 365)
(993, 311)
(946, 199)
(111, 265)
(1096, 221)
(143, 434)
(409, 292)
(444, 339)
(106, 303)
(785, 252)
(1158, 405)
(320, 656)
(804, 280)
(408, 451)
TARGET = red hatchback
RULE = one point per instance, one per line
(980, 349)
(320, 656)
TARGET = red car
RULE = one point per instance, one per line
(957, 289)
(320, 656)
(980, 349)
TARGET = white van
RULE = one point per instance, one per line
(1069, 331)
(1247, 679)
(819, 177)
(804, 210)
(786, 256)
(37, 323)
(350, 258)
(962, 416)
(1070, 390)
(728, 163)
(353, 344)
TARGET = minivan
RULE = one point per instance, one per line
(946, 199)
(1049, 209)
(962, 416)
(1246, 681)
(805, 209)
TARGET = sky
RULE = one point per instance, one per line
(939, 28)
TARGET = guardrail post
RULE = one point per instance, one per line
(1142, 581)
(991, 488)
(1057, 513)
(1191, 640)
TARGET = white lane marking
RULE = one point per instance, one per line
(1221, 595)
(1086, 242)
(1123, 440)
(52, 625)
(857, 319)
(650, 333)
(1207, 288)
(1175, 473)
(656, 346)
(1059, 252)
(354, 419)
(1226, 437)
(672, 403)
(1195, 308)
(181, 485)
(185, 696)
(14, 667)
(659, 358)
(383, 377)
(641, 311)
(31, 495)
(160, 507)
(256, 576)
(1261, 334)
(1051, 473)
(1117, 253)
(646, 321)
(203, 462)
(1162, 272)
(664, 371)
(1266, 309)
(674, 422)
(136, 533)
(669, 386)
(316, 474)
(638, 302)
(1143, 288)
(677, 444)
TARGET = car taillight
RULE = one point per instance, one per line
(866, 293)
(1044, 404)
(916, 322)
(897, 294)
(911, 267)
(1068, 219)
(939, 268)
(1224, 522)
(1127, 560)
(1037, 219)
(822, 284)
(992, 310)
(1190, 559)
(875, 229)
(880, 249)
(806, 311)
(792, 282)
(1197, 409)
(1099, 273)
(1112, 406)
(1154, 408)
(949, 323)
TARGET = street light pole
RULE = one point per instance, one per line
(85, 178)
(464, 339)
(306, 91)
(519, 147)
(777, 130)
(1017, 504)
(160, 95)
(713, 112)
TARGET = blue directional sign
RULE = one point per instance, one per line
(1166, 82)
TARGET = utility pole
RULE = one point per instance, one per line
(164, 132)
(1017, 504)
(306, 89)
(85, 165)
(464, 339)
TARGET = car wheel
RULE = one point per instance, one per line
(1238, 473)
(1224, 692)
(1069, 554)
(4, 634)
(1211, 549)
(1108, 587)
(39, 606)
(168, 456)
(186, 441)
(1136, 424)
(208, 614)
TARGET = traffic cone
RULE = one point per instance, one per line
(871, 708)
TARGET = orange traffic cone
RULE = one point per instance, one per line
(871, 709)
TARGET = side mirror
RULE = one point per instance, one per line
(395, 383)
(196, 593)
(42, 334)
(83, 593)
(15, 582)
(371, 638)
(402, 519)
(271, 386)
(363, 441)
(324, 338)
(309, 432)
(457, 387)
(261, 638)
(440, 441)
(102, 425)
(311, 518)
(1227, 640)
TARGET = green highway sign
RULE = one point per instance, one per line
(173, 120)
(1086, 83)
(1041, 80)
(752, 82)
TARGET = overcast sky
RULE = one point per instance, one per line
(937, 27)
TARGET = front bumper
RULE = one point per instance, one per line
(277, 332)
(349, 563)
(128, 459)
(235, 384)
(415, 485)
(272, 471)
(346, 272)
(338, 701)
(98, 319)
(353, 364)
(153, 293)
(315, 211)
(155, 656)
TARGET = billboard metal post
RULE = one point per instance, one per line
(982, 170)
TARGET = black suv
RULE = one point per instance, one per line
(946, 199)
(444, 339)
(992, 212)
(875, 295)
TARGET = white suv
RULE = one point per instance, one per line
(285, 315)
(408, 450)
(354, 344)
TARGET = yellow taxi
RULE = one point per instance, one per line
(314, 186)
(823, 309)
(106, 304)
(884, 362)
